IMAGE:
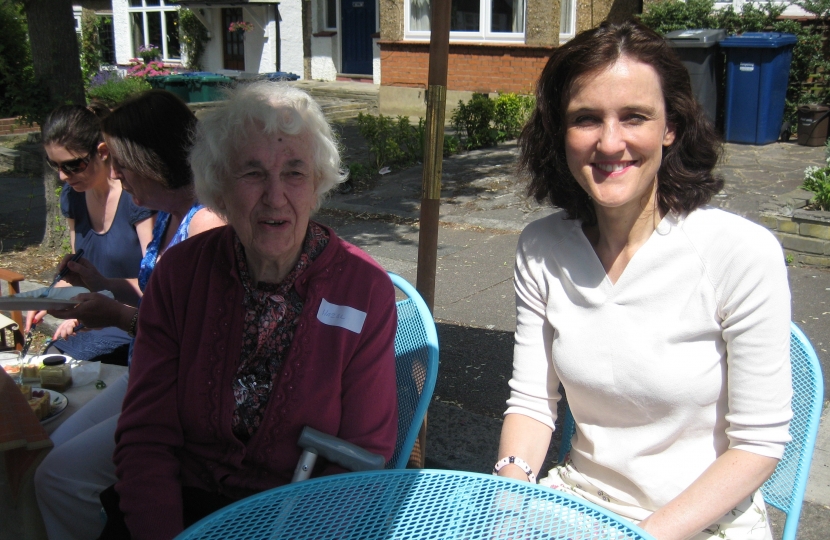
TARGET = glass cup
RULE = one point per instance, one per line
(12, 362)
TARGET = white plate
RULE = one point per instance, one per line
(59, 298)
(15, 303)
(58, 403)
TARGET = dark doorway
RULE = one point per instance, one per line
(233, 43)
(358, 27)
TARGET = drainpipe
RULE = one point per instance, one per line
(277, 36)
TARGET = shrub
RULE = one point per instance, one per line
(112, 89)
(510, 114)
(817, 180)
(391, 141)
(150, 69)
(483, 121)
(670, 15)
(193, 36)
(89, 45)
(472, 122)
(22, 95)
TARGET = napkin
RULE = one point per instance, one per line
(23, 441)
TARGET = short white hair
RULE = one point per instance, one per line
(250, 111)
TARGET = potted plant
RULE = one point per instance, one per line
(149, 53)
(240, 27)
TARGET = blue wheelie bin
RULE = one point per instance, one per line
(757, 72)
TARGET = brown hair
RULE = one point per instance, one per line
(74, 127)
(684, 180)
(151, 135)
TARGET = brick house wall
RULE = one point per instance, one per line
(472, 67)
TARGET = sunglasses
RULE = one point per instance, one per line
(72, 166)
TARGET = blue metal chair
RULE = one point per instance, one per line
(785, 488)
(416, 369)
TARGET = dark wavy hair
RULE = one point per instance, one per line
(74, 127)
(684, 181)
(151, 135)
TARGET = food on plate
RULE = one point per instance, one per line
(30, 371)
(40, 403)
(26, 389)
(12, 369)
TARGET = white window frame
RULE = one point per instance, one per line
(567, 36)
(484, 23)
(144, 10)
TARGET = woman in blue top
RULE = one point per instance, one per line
(101, 217)
(148, 138)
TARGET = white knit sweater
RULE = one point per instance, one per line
(685, 356)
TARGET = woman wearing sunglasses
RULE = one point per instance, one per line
(148, 138)
(101, 217)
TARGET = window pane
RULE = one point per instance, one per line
(151, 2)
(138, 32)
(507, 16)
(567, 9)
(154, 28)
(419, 15)
(135, 3)
(331, 13)
(107, 42)
(174, 49)
(465, 15)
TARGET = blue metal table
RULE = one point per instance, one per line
(413, 504)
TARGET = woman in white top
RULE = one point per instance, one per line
(666, 321)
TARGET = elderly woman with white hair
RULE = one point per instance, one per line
(249, 332)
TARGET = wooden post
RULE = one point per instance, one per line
(439, 46)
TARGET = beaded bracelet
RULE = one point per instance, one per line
(520, 463)
(133, 321)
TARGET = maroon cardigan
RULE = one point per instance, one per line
(175, 426)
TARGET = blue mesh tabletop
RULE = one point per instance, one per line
(413, 504)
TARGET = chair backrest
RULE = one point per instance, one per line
(416, 367)
(785, 488)
(12, 280)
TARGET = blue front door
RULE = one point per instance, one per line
(357, 26)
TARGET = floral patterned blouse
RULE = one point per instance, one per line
(271, 315)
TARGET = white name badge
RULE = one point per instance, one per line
(342, 316)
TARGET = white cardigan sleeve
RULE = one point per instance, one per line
(534, 387)
(754, 307)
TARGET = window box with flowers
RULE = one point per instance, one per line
(240, 27)
(149, 53)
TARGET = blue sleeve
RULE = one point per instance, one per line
(138, 213)
(67, 208)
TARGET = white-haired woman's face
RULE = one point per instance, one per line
(268, 201)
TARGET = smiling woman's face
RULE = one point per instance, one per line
(616, 131)
(268, 201)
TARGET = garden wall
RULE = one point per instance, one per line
(805, 234)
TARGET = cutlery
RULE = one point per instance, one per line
(28, 342)
(60, 275)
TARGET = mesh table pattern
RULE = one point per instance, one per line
(413, 504)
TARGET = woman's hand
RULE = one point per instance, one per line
(733, 477)
(83, 274)
(32, 318)
(66, 329)
(94, 311)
